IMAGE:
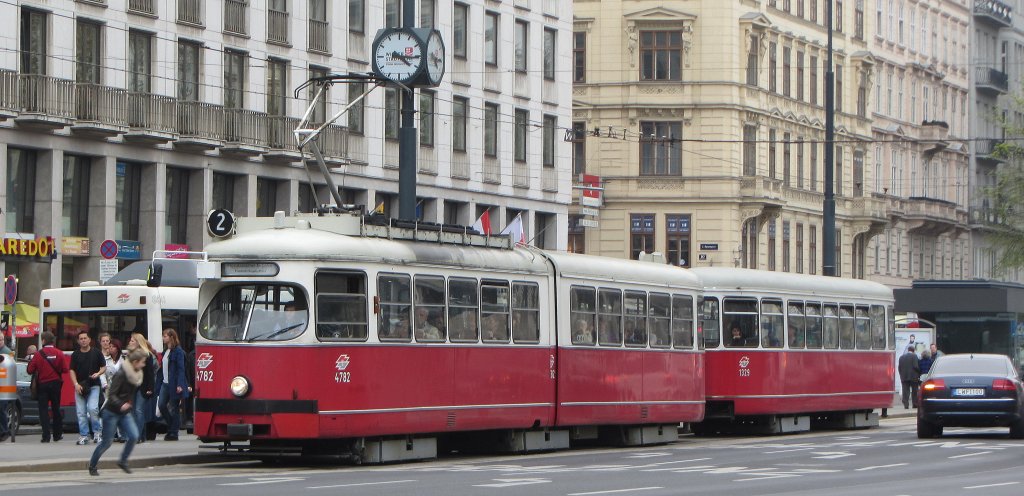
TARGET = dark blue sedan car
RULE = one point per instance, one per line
(971, 390)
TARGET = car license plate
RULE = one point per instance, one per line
(969, 392)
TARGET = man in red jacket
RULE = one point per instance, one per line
(51, 365)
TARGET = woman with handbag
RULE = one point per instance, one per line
(145, 408)
(48, 367)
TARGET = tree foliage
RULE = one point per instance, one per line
(1006, 200)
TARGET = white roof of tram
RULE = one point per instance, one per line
(725, 279)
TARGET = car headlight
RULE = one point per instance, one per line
(239, 386)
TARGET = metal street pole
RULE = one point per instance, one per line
(828, 242)
(407, 136)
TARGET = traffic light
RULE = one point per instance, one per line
(5, 321)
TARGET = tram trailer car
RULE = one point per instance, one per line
(788, 352)
(329, 336)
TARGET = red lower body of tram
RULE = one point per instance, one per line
(778, 382)
(333, 392)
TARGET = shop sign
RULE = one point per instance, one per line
(18, 246)
(129, 250)
(74, 246)
(172, 247)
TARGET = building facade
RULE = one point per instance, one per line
(997, 51)
(705, 123)
(922, 141)
(131, 119)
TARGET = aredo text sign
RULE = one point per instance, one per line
(41, 248)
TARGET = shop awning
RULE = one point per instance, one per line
(27, 323)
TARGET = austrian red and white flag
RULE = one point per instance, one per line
(515, 229)
(483, 224)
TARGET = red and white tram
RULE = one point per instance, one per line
(785, 351)
(327, 335)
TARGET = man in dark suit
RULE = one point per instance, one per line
(910, 376)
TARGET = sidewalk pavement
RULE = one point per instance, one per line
(29, 455)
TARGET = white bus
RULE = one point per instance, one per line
(125, 304)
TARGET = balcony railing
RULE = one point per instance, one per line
(236, 18)
(991, 78)
(146, 7)
(277, 26)
(319, 36)
(8, 91)
(39, 94)
(334, 142)
(994, 10)
(151, 113)
(101, 104)
(245, 127)
(357, 152)
(190, 12)
(985, 148)
(551, 7)
(280, 136)
(200, 120)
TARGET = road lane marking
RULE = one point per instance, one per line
(992, 485)
(786, 451)
(970, 454)
(831, 455)
(616, 491)
(514, 482)
(648, 455)
(361, 484)
(881, 466)
(263, 480)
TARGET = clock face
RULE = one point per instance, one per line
(435, 58)
(398, 55)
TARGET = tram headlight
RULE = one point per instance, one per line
(239, 386)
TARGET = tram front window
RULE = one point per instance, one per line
(255, 312)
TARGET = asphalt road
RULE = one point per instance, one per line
(888, 460)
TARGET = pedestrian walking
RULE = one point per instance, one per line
(117, 411)
(910, 376)
(87, 365)
(49, 366)
(145, 405)
(175, 387)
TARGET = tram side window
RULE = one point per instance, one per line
(890, 321)
(741, 316)
(582, 311)
(341, 306)
(710, 327)
(660, 320)
(814, 325)
(682, 322)
(494, 311)
(462, 310)
(846, 331)
(877, 327)
(635, 305)
(429, 316)
(525, 312)
(795, 331)
(609, 317)
(831, 327)
(863, 328)
(771, 323)
(395, 295)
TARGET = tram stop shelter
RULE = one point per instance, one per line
(970, 316)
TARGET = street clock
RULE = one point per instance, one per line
(411, 56)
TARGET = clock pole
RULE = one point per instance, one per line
(407, 136)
